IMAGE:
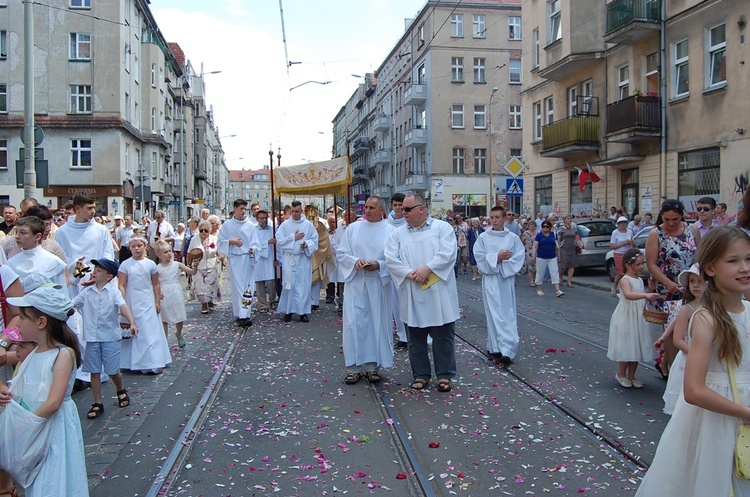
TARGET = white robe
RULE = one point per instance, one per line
(264, 258)
(367, 314)
(498, 290)
(336, 275)
(241, 263)
(400, 328)
(435, 247)
(296, 264)
(39, 261)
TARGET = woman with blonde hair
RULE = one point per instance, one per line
(206, 281)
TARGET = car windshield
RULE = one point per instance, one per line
(596, 228)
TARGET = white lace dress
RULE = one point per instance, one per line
(173, 302)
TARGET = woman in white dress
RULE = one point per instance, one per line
(139, 284)
(206, 281)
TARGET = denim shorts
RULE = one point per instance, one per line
(102, 357)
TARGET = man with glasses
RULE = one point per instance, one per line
(511, 224)
(420, 258)
(238, 241)
(705, 207)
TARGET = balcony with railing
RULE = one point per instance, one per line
(361, 144)
(382, 123)
(382, 156)
(629, 21)
(571, 136)
(634, 119)
(415, 95)
(415, 137)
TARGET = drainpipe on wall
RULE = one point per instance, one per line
(663, 110)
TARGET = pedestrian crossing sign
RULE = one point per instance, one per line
(514, 187)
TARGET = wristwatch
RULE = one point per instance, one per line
(4, 344)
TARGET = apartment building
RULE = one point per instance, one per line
(251, 185)
(442, 110)
(108, 96)
(640, 95)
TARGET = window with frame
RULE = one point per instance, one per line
(3, 98)
(681, 57)
(457, 69)
(127, 107)
(480, 161)
(457, 116)
(421, 34)
(421, 75)
(514, 114)
(549, 111)
(3, 44)
(554, 21)
(535, 48)
(4, 3)
(580, 201)
(514, 28)
(652, 73)
(480, 70)
(573, 101)
(80, 4)
(80, 153)
(457, 25)
(514, 71)
(716, 58)
(154, 124)
(3, 154)
(480, 117)
(153, 75)
(623, 82)
(537, 107)
(515, 152)
(458, 161)
(698, 173)
(543, 193)
(80, 46)
(480, 28)
(80, 99)
(154, 165)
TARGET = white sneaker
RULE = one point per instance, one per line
(636, 383)
(624, 382)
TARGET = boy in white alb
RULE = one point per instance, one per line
(33, 259)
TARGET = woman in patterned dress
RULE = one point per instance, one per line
(527, 237)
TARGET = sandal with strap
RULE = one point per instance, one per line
(12, 492)
(123, 401)
(95, 411)
(373, 377)
(419, 384)
(444, 385)
(352, 378)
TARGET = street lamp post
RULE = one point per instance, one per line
(491, 198)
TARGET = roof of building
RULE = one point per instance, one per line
(245, 174)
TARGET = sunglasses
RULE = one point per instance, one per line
(408, 209)
(203, 231)
(704, 209)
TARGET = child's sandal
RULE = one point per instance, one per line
(122, 398)
(95, 411)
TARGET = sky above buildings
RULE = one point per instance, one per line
(251, 97)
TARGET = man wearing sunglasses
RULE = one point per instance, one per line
(706, 207)
(420, 258)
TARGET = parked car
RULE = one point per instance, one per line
(595, 235)
(640, 242)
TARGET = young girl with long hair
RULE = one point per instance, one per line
(172, 297)
(695, 453)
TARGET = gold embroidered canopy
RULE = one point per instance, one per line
(331, 177)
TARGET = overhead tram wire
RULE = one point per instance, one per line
(79, 13)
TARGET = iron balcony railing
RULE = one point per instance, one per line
(582, 130)
(638, 111)
(621, 12)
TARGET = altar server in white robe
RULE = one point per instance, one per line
(297, 240)
(420, 257)
(33, 259)
(360, 257)
(264, 272)
(500, 256)
(238, 241)
(396, 219)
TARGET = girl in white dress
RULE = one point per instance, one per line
(43, 386)
(172, 298)
(139, 284)
(695, 454)
(691, 281)
(629, 342)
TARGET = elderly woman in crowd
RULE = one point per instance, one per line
(179, 239)
(471, 236)
(528, 235)
(206, 281)
(569, 243)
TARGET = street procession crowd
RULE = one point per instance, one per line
(83, 299)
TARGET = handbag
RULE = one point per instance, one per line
(742, 444)
(189, 291)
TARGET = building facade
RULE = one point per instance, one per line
(251, 185)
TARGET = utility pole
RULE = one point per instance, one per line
(29, 170)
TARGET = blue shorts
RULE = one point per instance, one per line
(102, 357)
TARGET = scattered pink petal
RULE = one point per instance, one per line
(401, 476)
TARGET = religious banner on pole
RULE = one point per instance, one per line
(331, 177)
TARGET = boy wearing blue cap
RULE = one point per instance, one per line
(100, 304)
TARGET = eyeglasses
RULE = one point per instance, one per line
(673, 206)
(408, 209)
(704, 209)
(203, 231)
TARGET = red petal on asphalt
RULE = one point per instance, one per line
(357, 412)
(551, 351)
(460, 475)
(434, 445)
(401, 476)
(361, 474)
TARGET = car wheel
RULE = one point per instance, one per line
(611, 270)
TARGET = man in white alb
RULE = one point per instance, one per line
(265, 274)
(397, 219)
(297, 240)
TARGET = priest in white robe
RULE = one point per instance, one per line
(238, 241)
(500, 256)
(396, 219)
(360, 257)
(297, 240)
(265, 272)
(420, 257)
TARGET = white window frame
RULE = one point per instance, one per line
(154, 124)
(127, 107)
(554, 21)
(678, 66)
(3, 155)
(573, 101)
(479, 26)
(457, 69)
(651, 73)
(714, 49)
(480, 116)
(153, 75)
(623, 81)
(80, 99)
(457, 25)
(154, 164)
(80, 4)
(3, 44)
(421, 34)
(537, 109)
(549, 110)
(514, 28)
(78, 147)
(535, 48)
(514, 117)
(459, 161)
(514, 72)
(78, 41)
(3, 98)
(587, 88)
(480, 161)
(457, 115)
(480, 70)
